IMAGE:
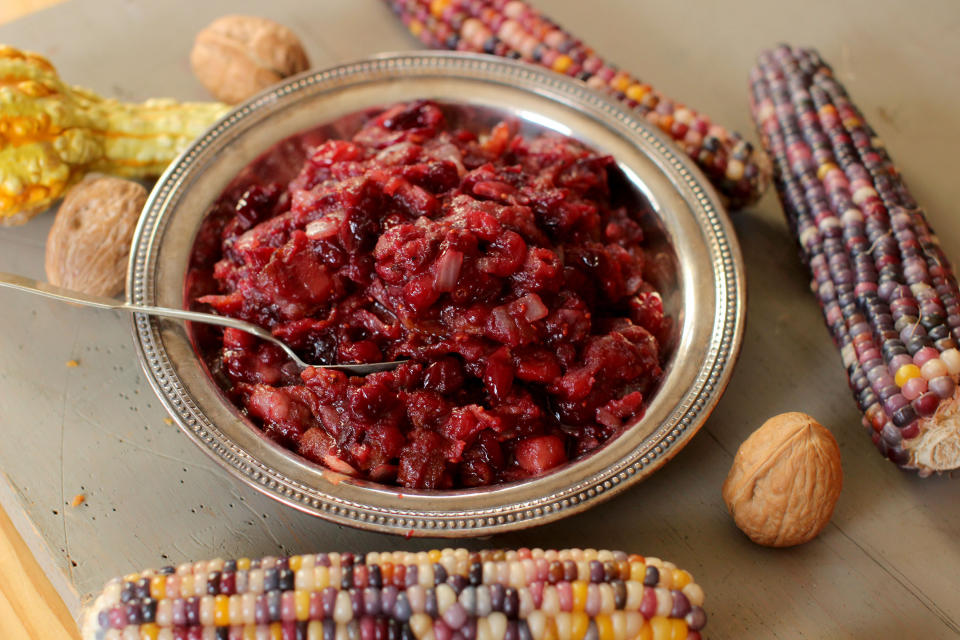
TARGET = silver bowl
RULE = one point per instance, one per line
(696, 265)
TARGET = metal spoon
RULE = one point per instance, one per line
(101, 302)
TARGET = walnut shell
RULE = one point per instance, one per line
(89, 242)
(785, 481)
(237, 56)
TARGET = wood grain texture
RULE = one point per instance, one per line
(30, 609)
(887, 566)
(13, 9)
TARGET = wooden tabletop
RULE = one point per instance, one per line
(887, 566)
(12, 9)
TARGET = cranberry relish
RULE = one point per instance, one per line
(495, 263)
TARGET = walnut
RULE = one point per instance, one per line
(237, 56)
(89, 242)
(785, 481)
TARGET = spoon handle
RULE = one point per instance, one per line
(48, 290)
(60, 294)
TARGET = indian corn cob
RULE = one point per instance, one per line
(453, 594)
(51, 134)
(888, 293)
(514, 29)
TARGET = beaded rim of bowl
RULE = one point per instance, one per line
(664, 442)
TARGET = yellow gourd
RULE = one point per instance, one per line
(51, 134)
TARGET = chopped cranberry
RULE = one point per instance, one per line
(614, 412)
(504, 255)
(282, 414)
(423, 463)
(427, 409)
(387, 442)
(482, 462)
(317, 445)
(501, 267)
(437, 176)
(498, 373)
(536, 455)
(466, 422)
(646, 309)
(444, 375)
(254, 205)
(537, 365)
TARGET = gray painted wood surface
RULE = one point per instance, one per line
(888, 565)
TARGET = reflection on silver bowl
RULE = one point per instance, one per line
(696, 266)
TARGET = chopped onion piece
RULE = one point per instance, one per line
(502, 322)
(533, 307)
(325, 227)
(338, 465)
(448, 270)
(448, 151)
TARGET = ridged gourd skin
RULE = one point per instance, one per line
(52, 134)
(888, 293)
(449, 594)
